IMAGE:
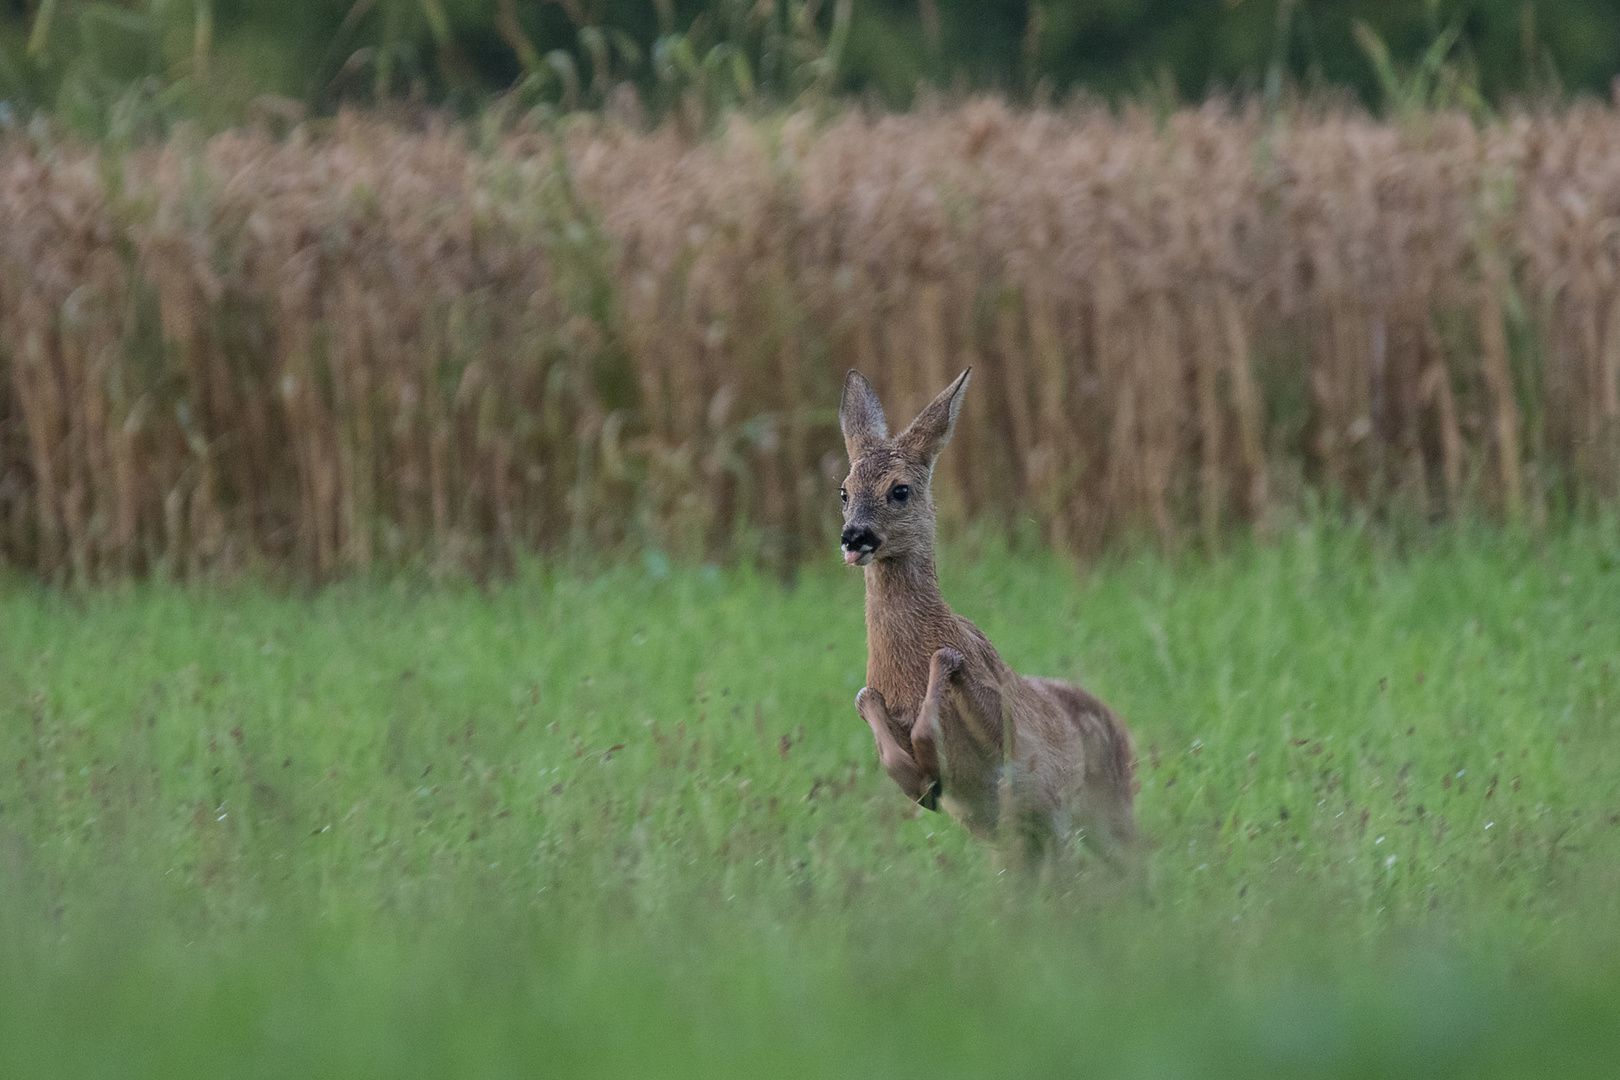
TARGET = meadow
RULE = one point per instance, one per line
(626, 821)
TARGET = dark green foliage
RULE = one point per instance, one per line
(121, 67)
(1121, 46)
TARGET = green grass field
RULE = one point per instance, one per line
(631, 824)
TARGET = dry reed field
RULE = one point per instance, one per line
(367, 343)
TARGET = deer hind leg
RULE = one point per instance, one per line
(1024, 844)
(901, 766)
(1111, 787)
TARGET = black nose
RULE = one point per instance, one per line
(859, 538)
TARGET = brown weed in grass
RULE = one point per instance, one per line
(380, 344)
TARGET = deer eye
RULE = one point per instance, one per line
(843, 496)
(900, 493)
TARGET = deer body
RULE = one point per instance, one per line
(1029, 760)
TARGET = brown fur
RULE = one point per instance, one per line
(1028, 761)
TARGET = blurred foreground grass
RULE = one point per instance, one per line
(631, 825)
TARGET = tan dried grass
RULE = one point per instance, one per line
(380, 344)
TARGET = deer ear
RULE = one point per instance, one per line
(932, 429)
(860, 416)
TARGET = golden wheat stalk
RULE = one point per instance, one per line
(372, 343)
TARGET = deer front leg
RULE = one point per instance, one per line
(926, 736)
(900, 766)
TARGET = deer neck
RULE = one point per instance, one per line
(906, 620)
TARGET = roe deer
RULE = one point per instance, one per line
(1027, 760)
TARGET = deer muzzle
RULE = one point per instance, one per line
(860, 543)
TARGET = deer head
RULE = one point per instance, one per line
(887, 497)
